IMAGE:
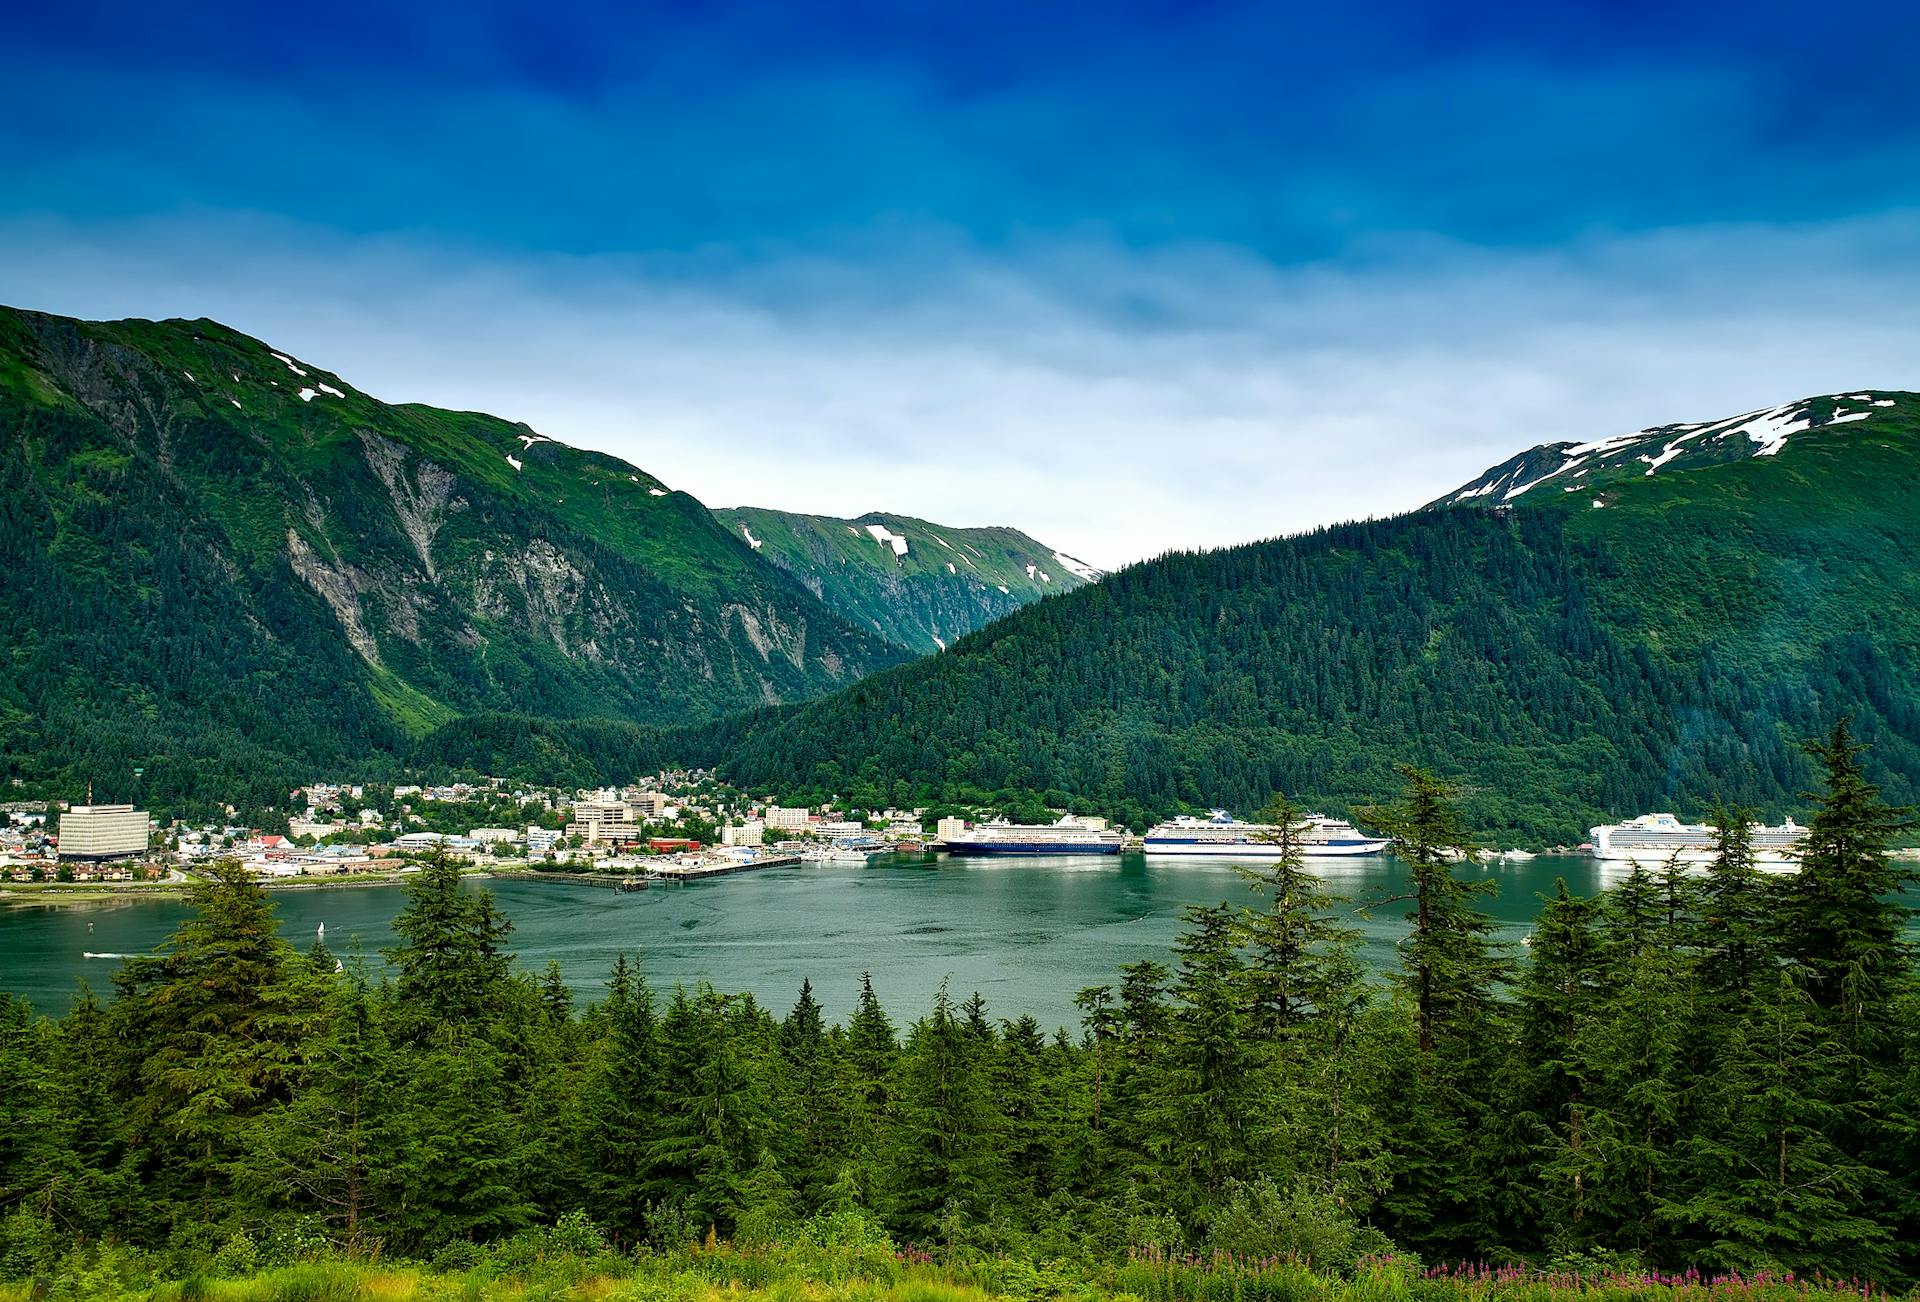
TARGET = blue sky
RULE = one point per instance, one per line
(1128, 275)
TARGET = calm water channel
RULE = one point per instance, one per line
(1026, 933)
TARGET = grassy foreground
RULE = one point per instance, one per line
(543, 1266)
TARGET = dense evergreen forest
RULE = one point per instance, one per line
(1566, 665)
(1712, 1070)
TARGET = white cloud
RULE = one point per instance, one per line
(1111, 401)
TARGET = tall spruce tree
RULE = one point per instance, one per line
(1294, 947)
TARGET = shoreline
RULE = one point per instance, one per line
(99, 893)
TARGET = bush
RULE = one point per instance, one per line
(239, 1255)
(29, 1245)
(1259, 1223)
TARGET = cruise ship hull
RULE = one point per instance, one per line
(964, 847)
(1173, 847)
(1649, 856)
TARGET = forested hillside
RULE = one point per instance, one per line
(230, 569)
(1569, 657)
(1688, 1072)
(920, 584)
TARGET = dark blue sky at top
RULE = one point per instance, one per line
(945, 259)
(1300, 132)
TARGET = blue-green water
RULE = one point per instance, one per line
(1026, 933)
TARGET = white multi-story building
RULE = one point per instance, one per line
(751, 832)
(103, 832)
(541, 839)
(493, 835)
(949, 829)
(786, 819)
(597, 821)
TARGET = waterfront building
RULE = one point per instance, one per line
(751, 832)
(493, 835)
(786, 819)
(950, 829)
(541, 839)
(599, 821)
(95, 832)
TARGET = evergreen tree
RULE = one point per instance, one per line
(946, 1158)
(320, 1150)
(450, 957)
(621, 1110)
(1293, 947)
(214, 1025)
(1769, 1187)
(1850, 922)
(1560, 996)
(1448, 963)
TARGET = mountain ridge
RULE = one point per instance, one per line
(1574, 467)
(956, 581)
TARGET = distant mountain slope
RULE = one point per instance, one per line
(1566, 663)
(223, 563)
(918, 584)
(1575, 468)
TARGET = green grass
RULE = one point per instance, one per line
(726, 1274)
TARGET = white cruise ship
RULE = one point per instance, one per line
(1068, 836)
(1655, 838)
(1224, 837)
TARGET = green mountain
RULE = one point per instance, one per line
(1567, 664)
(919, 584)
(224, 565)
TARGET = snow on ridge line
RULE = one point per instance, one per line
(1518, 489)
(1771, 428)
(656, 492)
(328, 388)
(1078, 568)
(290, 365)
(1839, 419)
(887, 538)
(1605, 445)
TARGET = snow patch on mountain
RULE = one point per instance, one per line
(752, 541)
(887, 538)
(1079, 569)
(290, 365)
